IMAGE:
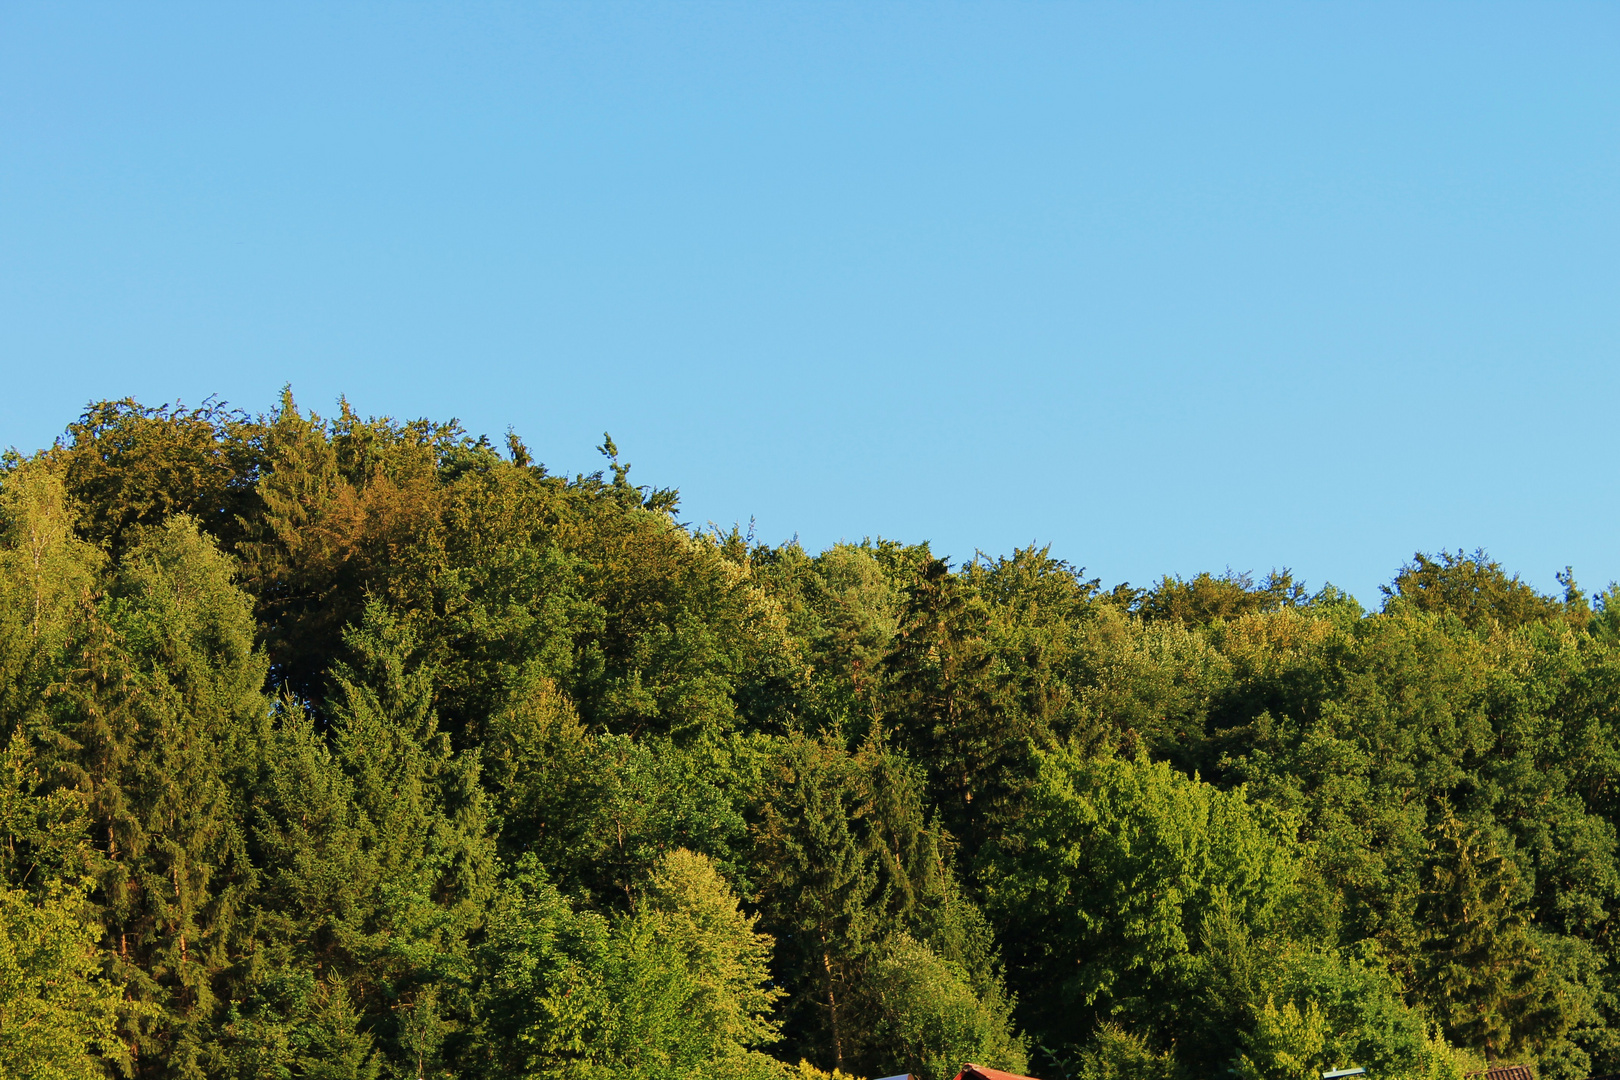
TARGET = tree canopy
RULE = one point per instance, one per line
(349, 747)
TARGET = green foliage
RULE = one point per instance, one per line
(128, 468)
(930, 1019)
(142, 715)
(294, 1025)
(693, 908)
(1208, 599)
(823, 889)
(1481, 964)
(949, 701)
(57, 1014)
(600, 810)
(1147, 686)
(677, 986)
(1324, 1008)
(1106, 887)
(1473, 588)
(1117, 1054)
(364, 748)
(376, 847)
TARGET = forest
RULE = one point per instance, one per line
(352, 748)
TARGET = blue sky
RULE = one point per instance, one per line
(1168, 287)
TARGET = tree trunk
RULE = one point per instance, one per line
(832, 1004)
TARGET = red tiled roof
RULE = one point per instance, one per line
(979, 1072)
(1505, 1072)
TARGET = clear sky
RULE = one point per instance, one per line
(1169, 287)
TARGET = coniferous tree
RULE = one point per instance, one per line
(1482, 970)
(948, 705)
(365, 748)
(817, 883)
(147, 727)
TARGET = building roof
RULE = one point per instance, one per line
(979, 1072)
(1505, 1072)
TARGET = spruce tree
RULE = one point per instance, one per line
(148, 728)
(1482, 971)
(949, 706)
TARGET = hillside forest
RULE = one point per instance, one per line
(354, 749)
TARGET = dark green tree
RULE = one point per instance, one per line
(1488, 981)
(949, 707)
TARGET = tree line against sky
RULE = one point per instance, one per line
(352, 748)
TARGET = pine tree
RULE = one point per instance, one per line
(148, 728)
(949, 707)
(376, 848)
(818, 882)
(1482, 971)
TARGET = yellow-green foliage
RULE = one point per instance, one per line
(57, 1014)
(806, 1071)
(365, 748)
